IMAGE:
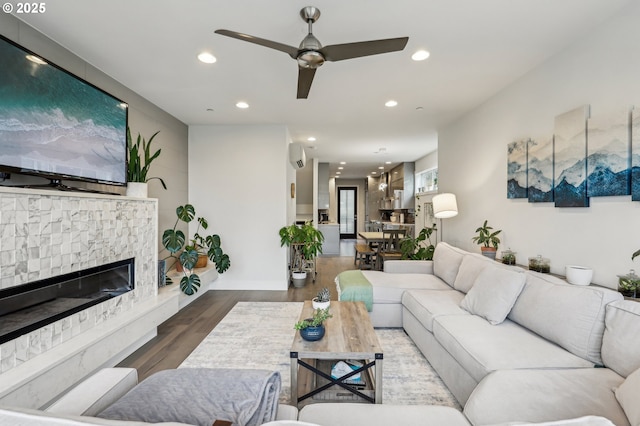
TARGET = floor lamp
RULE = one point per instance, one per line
(444, 207)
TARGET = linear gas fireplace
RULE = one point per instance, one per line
(28, 307)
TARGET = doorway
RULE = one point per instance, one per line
(347, 211)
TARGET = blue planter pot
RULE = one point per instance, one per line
(312, 334)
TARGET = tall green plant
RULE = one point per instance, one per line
(175, 241)
(304, 240)
(139, 159)
(416, 248)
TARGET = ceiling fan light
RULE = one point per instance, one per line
(310, 59)
(207, 58)
(420, 55)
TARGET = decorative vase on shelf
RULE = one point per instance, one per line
(312, 334)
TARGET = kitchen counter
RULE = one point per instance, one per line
(331, 243)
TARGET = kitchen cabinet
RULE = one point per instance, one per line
(331, 243)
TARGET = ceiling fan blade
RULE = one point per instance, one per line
(289, 50)
(339, 52)
(305, 78)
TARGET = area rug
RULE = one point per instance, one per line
(259, 335)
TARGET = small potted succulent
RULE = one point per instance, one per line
(312, 329)
(322, 300)
(488, 240)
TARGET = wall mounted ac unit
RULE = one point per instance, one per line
(297, 157)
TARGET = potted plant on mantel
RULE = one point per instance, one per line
(139, 159)
(209, 246)
(305, 243)
(629, 285)
(312, 329)
(488, 240)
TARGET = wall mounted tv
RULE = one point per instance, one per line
(55, 125)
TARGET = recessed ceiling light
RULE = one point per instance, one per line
(420, 55)
(242, 105)
(391, 103)
(340, 168)
(311, 139)
(373, 173)
(381, 168)
(338, 173)
(387, 162)
(207, 58)
(35, 59)
(343, 163)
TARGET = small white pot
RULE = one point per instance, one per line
(137, 189)
(578, 275)
(320, 305)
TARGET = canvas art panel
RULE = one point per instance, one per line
(540, 169)
(608, 159)
(635, 154)
(570, 157)
(517, 169)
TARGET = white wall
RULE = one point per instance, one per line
(427, 162)
(601, 69)
(240, 180)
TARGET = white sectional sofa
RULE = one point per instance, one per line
(514, 345)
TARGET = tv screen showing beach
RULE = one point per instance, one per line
(57, 125)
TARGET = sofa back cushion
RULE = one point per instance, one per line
(570, 316)
(446, 261)
(621, 341)
(470, 267)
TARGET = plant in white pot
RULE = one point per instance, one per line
(305, 243)
(322, 299)
(139, 159)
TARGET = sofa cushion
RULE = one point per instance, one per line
(494, 292)
(426, 305)
(580, 421)
(569, 315)
(545, 395)
(388, 288)
(621, 341)
(470, 267)
(349, 414)
(27, 417)
(481, 348)
(627, 395)
(446, 261)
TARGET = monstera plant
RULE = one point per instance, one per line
(187, 252)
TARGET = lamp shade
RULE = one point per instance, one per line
(444, 206)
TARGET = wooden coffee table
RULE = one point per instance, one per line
(349, 336)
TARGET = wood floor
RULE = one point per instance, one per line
(180, 335)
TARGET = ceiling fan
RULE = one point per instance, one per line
(311, 54)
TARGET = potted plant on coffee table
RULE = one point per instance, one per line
(186, 255)
(305, 243)
(488, 240)
(139, 159)
(322, 299)
(312, 329)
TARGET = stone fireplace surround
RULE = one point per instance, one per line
(45, 233)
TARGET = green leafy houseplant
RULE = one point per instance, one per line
(416, 248)
(629, 285)
(319, 317)
(305, 241)
(486, 238)
(139, 159)
(175, 242)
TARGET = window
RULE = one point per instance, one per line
(427, 181)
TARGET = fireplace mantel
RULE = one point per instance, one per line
(44, 233)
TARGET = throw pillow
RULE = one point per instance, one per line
(627, 396)
(493, 294)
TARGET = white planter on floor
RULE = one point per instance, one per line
(299, 279)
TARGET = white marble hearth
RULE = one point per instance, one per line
(45, 233)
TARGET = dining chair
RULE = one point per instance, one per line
(389, 247)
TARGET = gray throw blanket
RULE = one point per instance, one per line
(199, 396)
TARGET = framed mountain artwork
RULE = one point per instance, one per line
(540, 169)
(517, 169)
(570, 156)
